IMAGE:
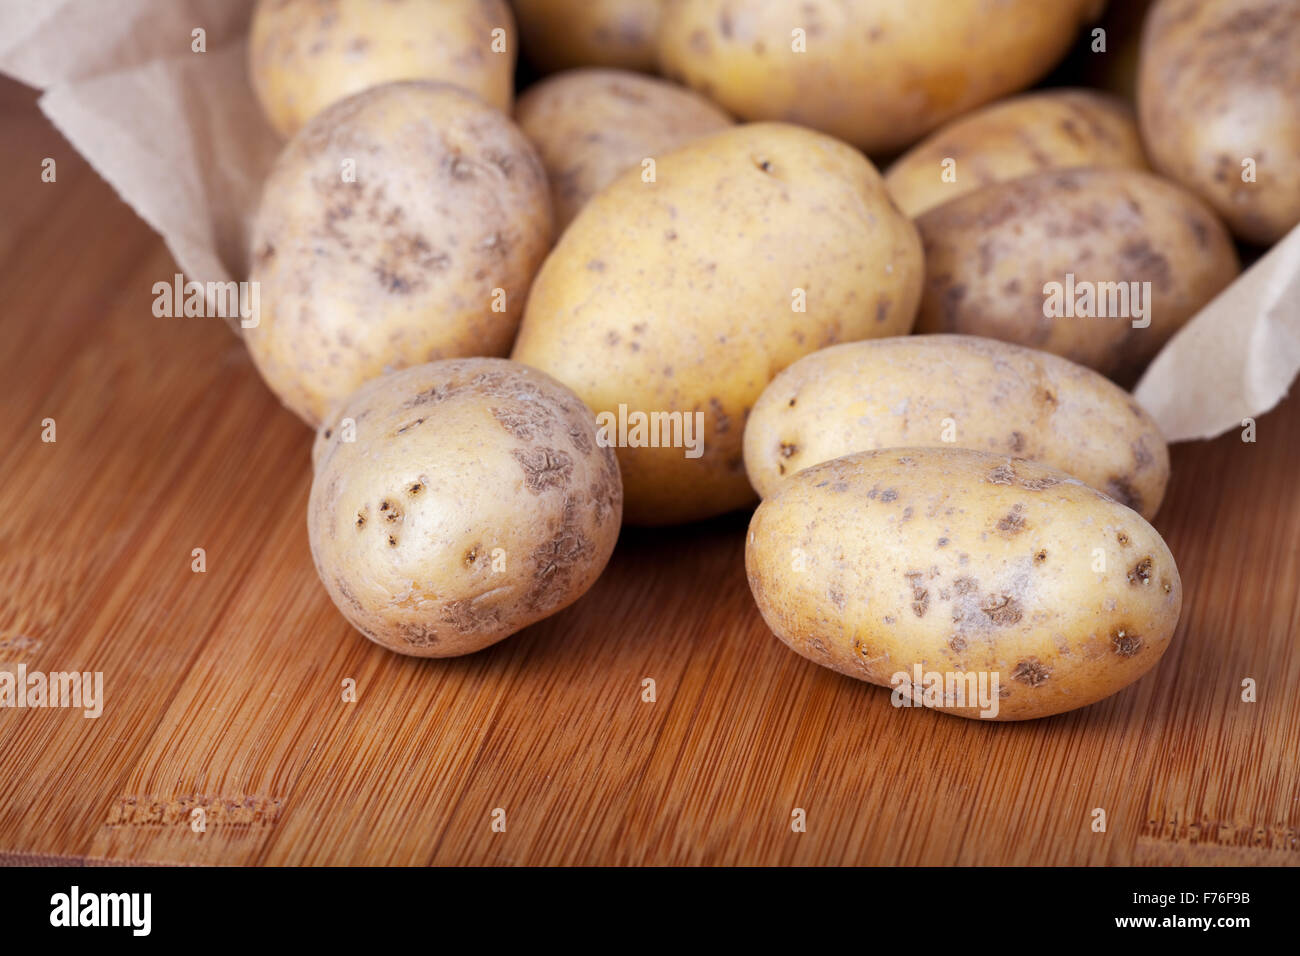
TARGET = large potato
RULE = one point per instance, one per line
(684, 296)
(1051, 129)
(956, 390)
(955, 562)
(559, 34)
(591, 125)
(457, 502)
(1218, 87)
(305, 55)
(1018, 260)
(400, 226)
(876, 73)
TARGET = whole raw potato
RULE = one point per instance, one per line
(559, 34)
(1218, 88)
(894, 565)
(590, 125)
(307, 54)
(1051, 129)
(956, 391)
(876, 73)
(457, 502)
(1101, 266)
(669, 305)
(400, 226)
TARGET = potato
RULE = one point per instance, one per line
(956, 391)
(305, 55)
(1051, 129)
(876, 73)
(471, 500)
(559, 34)
(400, 226)
(895, 565)
(676, 301)
(1050, 261)
(590, 125)
(1218, 84)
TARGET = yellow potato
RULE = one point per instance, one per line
(1039, 259)
(956, 391)
(876, 73)
(591, 125)
(1050, 129)
(682, 297)
(456, 503)
(560, 34)
(305, 55)
(1218, 87)
(425, 252)
(923, 568)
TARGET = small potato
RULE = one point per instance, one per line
(305, 54)
(1101, 266)
(669, 305)
(560, 34)
(895, 565)
(875, 73)
(472, 501)
(1051, 129)
(424, 252)
(590, 125)
(1218, 88)
(956, 391)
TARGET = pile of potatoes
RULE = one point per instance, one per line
(668, 279)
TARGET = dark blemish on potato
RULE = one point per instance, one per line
(414, 488)
(1166, 585)
(527, 422)
(1003, 610)
(430, 395)
(1039, 484)
(1031, 671)
(787, 449)
(1017, 442)
(581, 439)
(721, 420)
(671, 235)
(1040, 557)
(791, 405)
(951, 305)
(346, 593)
(920, 594)
(942, 543)
(957, 643)
(544, 468)
(470, 556)
(889, 619)
(392, 541)
(418, 635)
(1001, 475)
(1141, 258)
(888, 495)
(882, 313)
(1013, 522)
(1124, 643)
(1140, 573)
(965, 585)
(554, 561)
(1141, 456)
(409, 425)
(1046, 396)
(836, 597)
(763, 165)
(612, 338)
(465, 616)
(596, 265)
(403, 263)
(361, 518)
(1122, 538)
(1122, 491)
(1200, 231)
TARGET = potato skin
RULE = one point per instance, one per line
(305, 55)
(1000, 398)
(1218, 81)
(561, 34)
(962, 561)
(875, 73)
(680, 295)
(473, 502)
(590, 125)
(1049, 129)
(989, 255)
(398, 267)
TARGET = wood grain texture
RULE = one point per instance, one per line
(224, 689)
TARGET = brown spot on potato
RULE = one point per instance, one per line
(361, 518)
(1040, 557)
(1003, 610)
(787, 449)
(544, 468)
(920, 594)
(1013, 522)
(1140, 573)
(470, 556)
(1124, 643)
(418, 635)
(1031, 671)
(1122, 538)
(957, 643)
(466, 616)
(1001, 475)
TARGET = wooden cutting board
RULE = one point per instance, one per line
(224, 690)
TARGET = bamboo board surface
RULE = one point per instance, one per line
(223, 689)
